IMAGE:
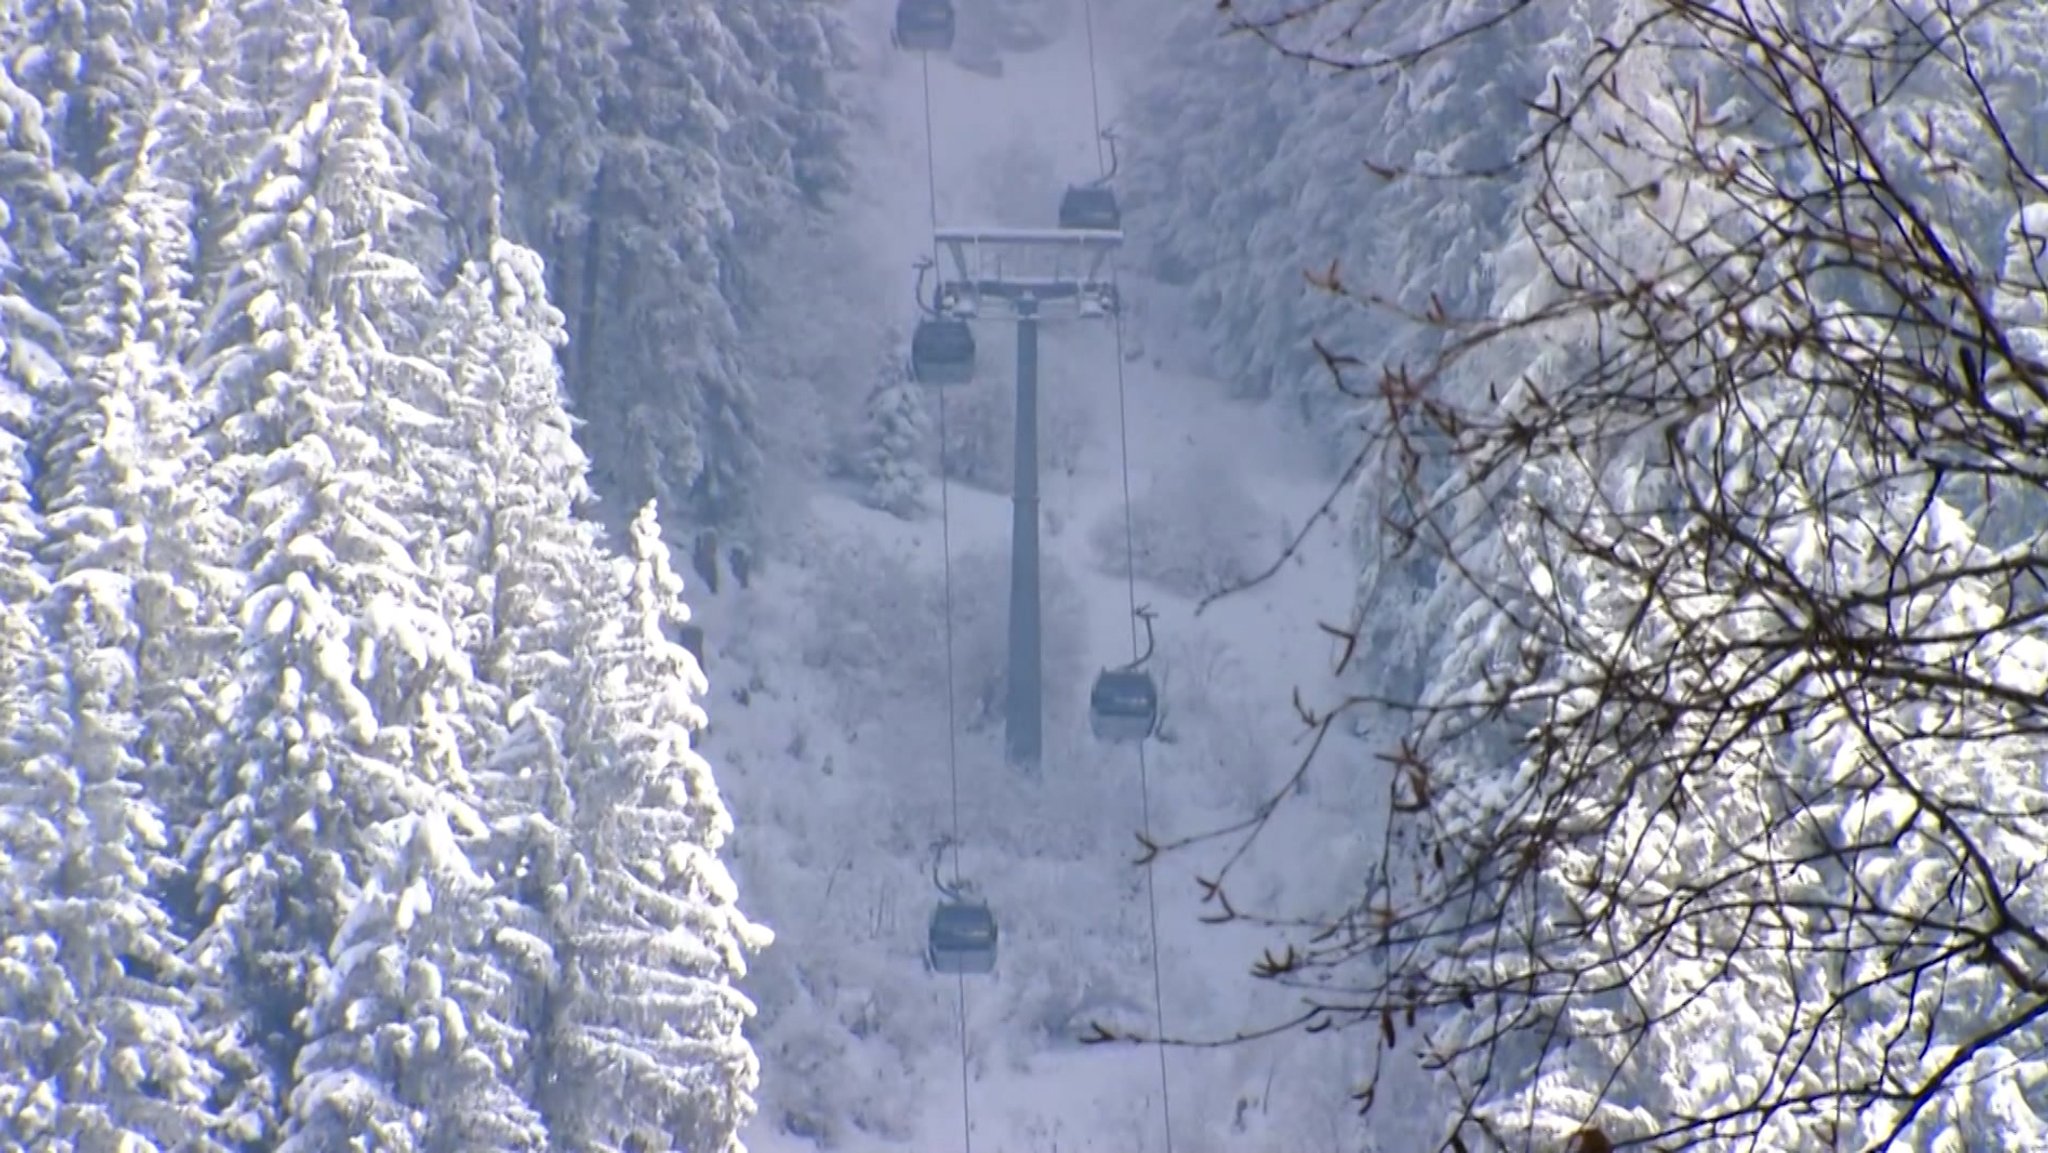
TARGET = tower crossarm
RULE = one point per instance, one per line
(1049, 266)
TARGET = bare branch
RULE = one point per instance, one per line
(1742, 494)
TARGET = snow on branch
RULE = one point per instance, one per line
(1718, 819)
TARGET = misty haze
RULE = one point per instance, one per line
(1023, 576)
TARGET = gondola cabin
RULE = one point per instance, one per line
(924, 25)
(942, 351)
(1090, 207)
(963, 938)
(1124, 706)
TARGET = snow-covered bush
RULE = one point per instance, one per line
(1194, 530)
(830, 1083)
(1210, 720)
(1062, 436)
(1066, 993)
(812, 1059)
(981, 653)
(873, 617)
(980, 426)
(891, 460)
(876, 622)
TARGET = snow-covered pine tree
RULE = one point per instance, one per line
(553, 135)
(31, 365)
(801, 45)
(646, 1042)
(398, 1013)
(510, 535)
(1261, 148)
(458, 64)
(513, 535)
(348, 719)
(137, 544)
(23, 580)
(530, 561)
(335, 624)
(441, 1067)
(680, 409)
(127, 459)
(607, 119)
(891, 460)
(1815, 1024)
(54, 122)
(90, 56)
(35, 205)
(93, 975)
(351, 703)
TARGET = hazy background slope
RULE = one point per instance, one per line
(829, 710)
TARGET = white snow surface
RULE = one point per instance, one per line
(839, 777)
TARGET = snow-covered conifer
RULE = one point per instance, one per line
(552, 139)
(125, 466)
(458, 62)
(648, 1038)
(510, 530)
(23, 579)
(409, 1044)
(372, 414)
(891, 461)
(95, 1025)
(802, 44)
(35, 202)
(87, 806)
(92, 802)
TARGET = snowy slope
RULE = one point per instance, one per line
(830, 722)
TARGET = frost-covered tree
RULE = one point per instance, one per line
(1236, 191)
(528, 560)
(647, 151)
(410, 1047)
(97, 1024)
(23, 585)
(125, 464)
(891, 460)
(658, 323)
(726, 121)
(335, 725)
(30, 993)
(57, 118)
(22, 579)
(89, 61)
(35, 205)
(302, 201)
(1717, 830)
(132, 624)
(645, 1040)
(802, 45)
(351, 705)
(553, 133)
(511, 537)
(458, 63)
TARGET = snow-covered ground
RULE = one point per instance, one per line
(829, 721)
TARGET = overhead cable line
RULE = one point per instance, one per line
(1131, 595)
(931, 170)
